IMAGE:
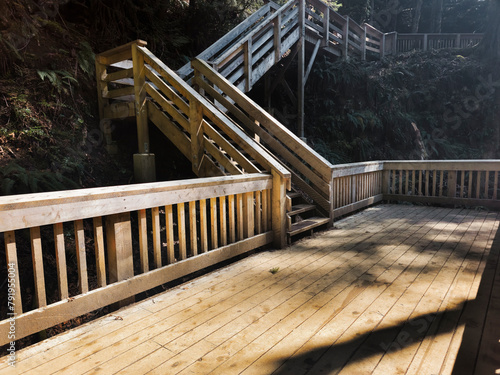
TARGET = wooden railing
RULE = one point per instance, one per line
(117, 242)
(356, 186)
(459, 182)
(463, 182)
(424, 42)
(310, 171)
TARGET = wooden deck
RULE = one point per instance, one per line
(385, 293)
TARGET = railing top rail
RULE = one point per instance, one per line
(212, 111)
(103, 56)
(255, 31)
(341, 170)
(261, 115)
(231, 35)
(457, 165)
(32, 210)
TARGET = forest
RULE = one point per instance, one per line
(417, 105)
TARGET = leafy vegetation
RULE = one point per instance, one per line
(432, 105)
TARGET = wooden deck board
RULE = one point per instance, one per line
(385, 293)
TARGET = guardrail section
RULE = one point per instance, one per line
(117, 242)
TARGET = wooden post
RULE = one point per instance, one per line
(102, 86)
(326, 26)
(301, 70)
(278, 210)
(13, 269)
(119, 241)
(277, 38)
(363, 44)
(382, 46)
(452, 183)
(196, 124)
(457, 41)
(247, 56)
(386, 181)
(332, 201)
(425, 41)
(395, 44)
(345, 34)
(144, 164)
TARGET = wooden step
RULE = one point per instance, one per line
(293, 194)
(307, 224)
(300, 208)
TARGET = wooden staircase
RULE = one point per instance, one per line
(203, 110)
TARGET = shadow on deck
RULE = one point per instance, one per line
(394, 289)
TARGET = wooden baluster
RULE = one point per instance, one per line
(214, 223)
(143, 240)
(400, 182)
(413, 182)
(486, 184)
(462, 183)
(441, 179)
(239, 216)
(407, 173)
(478, 184)
(495, 185)
(192, 229)
(278, 210)
(265, 209)
(232, 218)
(81, 256)
(155, 214)
(181, 230)
(434, 182)
(223, 221)
(420, 182)
(469, 192)
(169, 226)
(452, 184)
(393, 181)
(258, 214)
(203, 225)
(12, 263)
(248, 215)
(62, 274)
(427, 183)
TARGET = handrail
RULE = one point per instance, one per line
(223, 43)
(303, 162)
(205, 222)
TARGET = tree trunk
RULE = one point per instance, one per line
(490, 46)
(437, 10)
(416, 16)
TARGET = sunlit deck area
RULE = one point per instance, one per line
(393, 289)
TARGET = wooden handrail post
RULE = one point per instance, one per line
(119, 245)
(247, 55)
(363, 44)
(326, 26)
(196, 125)
(345, 32)
(386, 181)
(382, 46)
(277, 38)
(457, 41)
(140, 100)
(425, 42)
(301, 69)
(13, 269)
(395, 44)
(278, 210)
(144, 161)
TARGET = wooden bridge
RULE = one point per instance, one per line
(259, 186)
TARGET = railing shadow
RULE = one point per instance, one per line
(327, 358)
